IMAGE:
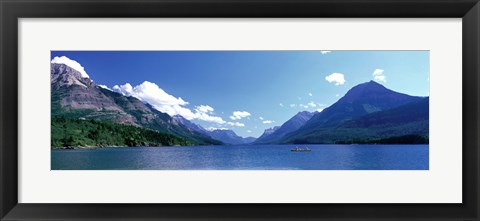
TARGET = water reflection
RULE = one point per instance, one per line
(258, 157)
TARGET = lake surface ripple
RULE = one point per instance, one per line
(245, 157)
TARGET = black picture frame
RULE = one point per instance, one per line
(12, 10)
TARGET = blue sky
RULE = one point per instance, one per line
(249, 91)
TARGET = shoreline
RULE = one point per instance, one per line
(99, 147)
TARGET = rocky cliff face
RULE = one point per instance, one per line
(63, 75)
(74, 96)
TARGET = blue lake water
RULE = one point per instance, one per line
(245, 157)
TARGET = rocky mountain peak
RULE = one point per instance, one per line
(63, 75)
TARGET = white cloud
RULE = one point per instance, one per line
(162, 101)
(236, 124)
(216, 128)
(377, 72)
(380, 78)
(209, 118)
(325, 52)
(311, 104)
(336, 95)
(310, 94)
(151, 93)
(292, 105)
(249, 131)
(261, 118)
(237, 115)
(268, 121)
(204, 108)
(304, 106)
(125, 89)
(71, 63)
(281, 105)
(337, 78)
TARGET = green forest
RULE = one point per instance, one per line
(69, 133)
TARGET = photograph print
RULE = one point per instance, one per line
(240, 110)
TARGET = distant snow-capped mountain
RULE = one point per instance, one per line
(276, 133)
(226, 136)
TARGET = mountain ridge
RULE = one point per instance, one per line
(76, 97)
(226, 136)
(360, 100)
(409, 119)
(292, 124)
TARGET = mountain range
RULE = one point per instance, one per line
(230, 137)
(408, 119)
(75, 96)
(224, 135)
(366, 113)
(291, 125)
